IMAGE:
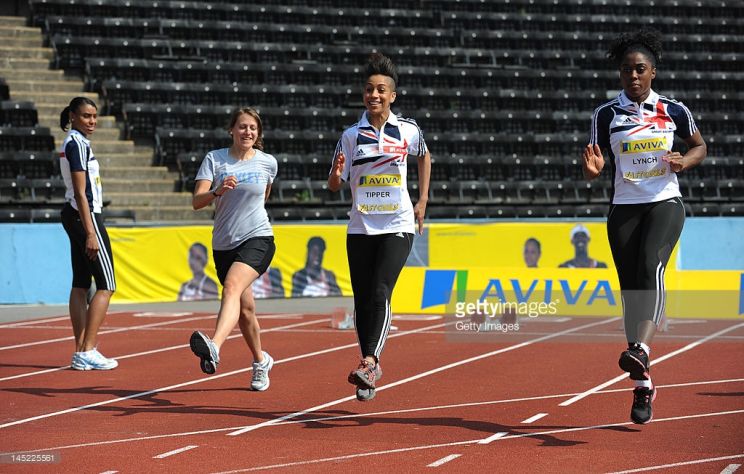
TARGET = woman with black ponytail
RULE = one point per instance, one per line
(636, 130)
(90, 248)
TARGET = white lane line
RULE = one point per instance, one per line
(192, 382)
(444, 460)
(34, 321)
(421, 375)
(163, 349)
(493, 437)
(109, 472)
(686, 348)
(730, 469)
(356, 415)
(534, 418)
(110, 331)
(685, 463)
(161, 314)
(475, 441)
(175, 451)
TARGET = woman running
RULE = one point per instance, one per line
(242, 238)
(636, 130)
(372, 156)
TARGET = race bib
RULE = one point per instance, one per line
(379, 194)
(640, 160)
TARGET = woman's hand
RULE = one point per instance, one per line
(337, 170)
(91, 246)
(338, 164)
(419, 211)
(676, 161)
(592, 162)
(231, 182)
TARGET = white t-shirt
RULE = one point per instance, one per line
(376, 168)
(636, 138)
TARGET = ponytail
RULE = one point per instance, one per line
(64, 119)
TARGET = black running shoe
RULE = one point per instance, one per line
(635, 362)
(641, 412)
(203, 347)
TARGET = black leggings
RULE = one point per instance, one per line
(642, 237)
(375, 261)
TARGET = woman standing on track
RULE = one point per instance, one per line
(646, 215)
(242, 239)
(90, 248)
(372, 156)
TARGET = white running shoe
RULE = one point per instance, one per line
(260, 380)
(92, 360)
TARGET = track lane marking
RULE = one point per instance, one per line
(534, 418)
(683, 463)
(195, 381)
(175, 451)
(249, 428)
(444, 460)
(477, 441)
(110, 331)
(356, 415)
(163, 349)
(681, 350)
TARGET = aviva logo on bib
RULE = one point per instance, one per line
(380, 180)
(642, 146)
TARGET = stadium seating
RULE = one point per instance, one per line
(504, 92)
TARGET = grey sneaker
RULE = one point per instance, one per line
(365, 394)
(260, 380)
(364, 376)
(92, 360)
(206, 351)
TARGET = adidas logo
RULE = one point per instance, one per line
(359, 152)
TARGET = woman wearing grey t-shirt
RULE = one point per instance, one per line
(238, 180)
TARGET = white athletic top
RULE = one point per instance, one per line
(636, 138)
(76, 155)
(376, 168)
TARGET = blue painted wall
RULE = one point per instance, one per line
(34, 264)
(712, 243)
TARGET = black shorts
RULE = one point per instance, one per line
(255, 252)
(83, 269)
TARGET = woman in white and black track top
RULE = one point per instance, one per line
(90, 248)
(372, 156)
(636, 130)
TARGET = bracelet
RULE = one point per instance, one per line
(214, 193)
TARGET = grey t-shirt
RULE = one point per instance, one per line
(240, 212)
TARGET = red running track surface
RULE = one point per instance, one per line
(452, 403)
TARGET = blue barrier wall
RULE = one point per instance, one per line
(34, 264)
(35, 258)
(712, 243)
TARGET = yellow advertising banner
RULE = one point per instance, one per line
(557, 268)
(156, 264)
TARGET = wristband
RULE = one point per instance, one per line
(214, 193)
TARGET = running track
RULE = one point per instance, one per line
(550, 400)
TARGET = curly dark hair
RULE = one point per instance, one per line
(380, 64)
(645, 40)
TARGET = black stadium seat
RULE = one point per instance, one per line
(504, 92)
